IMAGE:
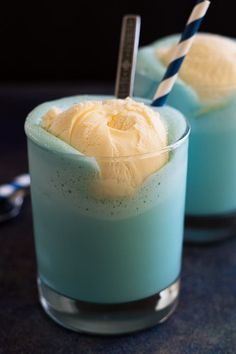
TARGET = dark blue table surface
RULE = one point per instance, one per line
(205, 320)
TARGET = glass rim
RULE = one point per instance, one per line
(168, 148)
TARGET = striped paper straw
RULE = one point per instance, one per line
(182, 50)
(19, 183)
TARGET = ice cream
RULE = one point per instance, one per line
(113, 129)
(209, 67)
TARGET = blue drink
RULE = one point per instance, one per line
(97, 255)
(211, 184)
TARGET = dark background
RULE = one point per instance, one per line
(73, 41)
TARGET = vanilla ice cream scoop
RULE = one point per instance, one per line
(209, 67)
(113, 129)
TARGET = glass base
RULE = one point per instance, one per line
(206, 229)
(109, 319)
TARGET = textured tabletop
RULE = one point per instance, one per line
(205, 320)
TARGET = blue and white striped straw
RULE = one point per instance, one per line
(182, 50)
(19, 183)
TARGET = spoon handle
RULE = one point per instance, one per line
(19, 183)
(127, 56)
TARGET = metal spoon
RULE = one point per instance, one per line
(12, 197)
(129, 42)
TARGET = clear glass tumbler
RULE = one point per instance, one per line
(106, 265)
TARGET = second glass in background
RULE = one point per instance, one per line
(211, 182)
